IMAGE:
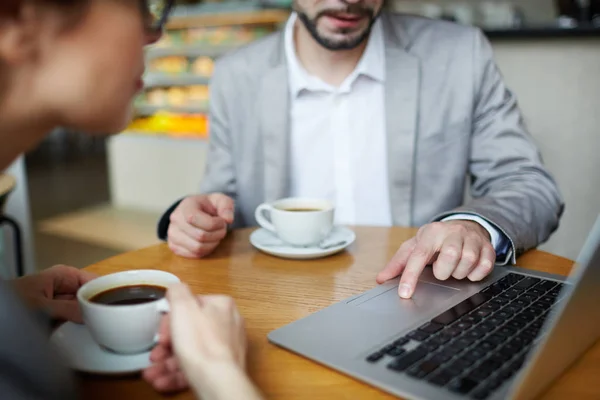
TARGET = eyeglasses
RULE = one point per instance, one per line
(157, 13)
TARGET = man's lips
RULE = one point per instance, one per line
(344, 20)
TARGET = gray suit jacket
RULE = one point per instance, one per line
(451, 121)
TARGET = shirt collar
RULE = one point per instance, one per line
(371, 64)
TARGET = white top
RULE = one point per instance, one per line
(338, 139)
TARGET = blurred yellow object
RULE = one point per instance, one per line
(169, 65)
(181, 125)
(203, 66)
(157, 97)
(198, 94)
(177, 96)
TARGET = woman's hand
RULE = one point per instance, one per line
(203, 344)
(54, 290)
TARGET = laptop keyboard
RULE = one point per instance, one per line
(475, 346)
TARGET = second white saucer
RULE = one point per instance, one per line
(339, 239)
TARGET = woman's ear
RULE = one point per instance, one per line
(19, 34)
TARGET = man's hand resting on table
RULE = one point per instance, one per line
(202, 344)
(199, 224)
(457, 248)
(54, 291)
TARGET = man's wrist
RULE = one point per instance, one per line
(473, 225)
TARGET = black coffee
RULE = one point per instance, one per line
(128, 295)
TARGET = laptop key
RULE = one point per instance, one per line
(506, 331)
(387, 348)
(496, 339)
(460, 365)
(490, 365)
(515, 324)
(401, 342)
(429, 346)
(423, 369)
(461, 325)
(511, 309)
(442, 377)
(470, 319)
(463, 385)
(464, 307)
(481, 394)
(431, 327)
(440, 339)
(483, 312)
(514, 278)
(452, 331)
(526, 282)
(536, 291)
(403, 362)
(494, 320)
(546, 285)
(485, 327)
(487, 345)
(548, 299)
(417, 335)
(375, 357)
(442, 357)
(497, 304)
(480, 374)
(490, 291)
(396, 351)
(465, 341)
(529, 298)
(475, 354)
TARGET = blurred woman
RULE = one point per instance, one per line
(79, 64)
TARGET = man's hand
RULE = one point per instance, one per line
(201, 338)
(199, 224)
(54, 290)
(460, 249)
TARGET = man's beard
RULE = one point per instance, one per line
(344, 44)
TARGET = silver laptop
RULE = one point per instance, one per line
(505, 338)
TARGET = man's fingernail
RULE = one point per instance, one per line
(404, 291)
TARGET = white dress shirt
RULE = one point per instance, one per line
(338, 139)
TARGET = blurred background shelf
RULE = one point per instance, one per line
(193, 50)
(145, 110)
(152, 80)
(237, 17)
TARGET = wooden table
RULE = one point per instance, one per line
(272, 292)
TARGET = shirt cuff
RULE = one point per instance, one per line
(499, 241)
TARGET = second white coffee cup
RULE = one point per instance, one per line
(297, 221)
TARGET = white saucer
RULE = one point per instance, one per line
(267, 242)
(82, 353)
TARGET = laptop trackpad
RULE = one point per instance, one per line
(427, 296)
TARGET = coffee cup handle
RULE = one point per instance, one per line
(262, 219)
(163, 306)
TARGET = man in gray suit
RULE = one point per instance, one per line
(389, 116)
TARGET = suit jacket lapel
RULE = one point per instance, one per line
(401, 98)
(273, 111)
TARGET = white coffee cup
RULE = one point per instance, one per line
(297, 221)
(126, 329)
